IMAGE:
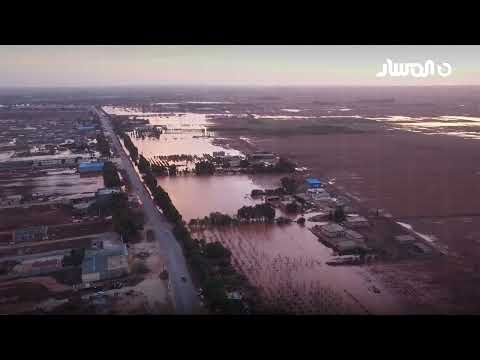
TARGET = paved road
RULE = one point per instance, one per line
(185, 297)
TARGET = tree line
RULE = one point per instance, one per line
(110, 175)
(102, 145)
(210, 263)
(132, 149)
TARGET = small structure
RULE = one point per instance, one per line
(92, 166)
(218, 153)
(356, 221)
(87, 128)
(34, 233)
(422, 248)
(234, 161)
(332, 230)
(272, 199)
(350, 247)
(313, 183)
(263, 158)
(82, 207)
(353, 235)
(404, 239)
(319, 194)
(105, 195)
(234, 295)
(104, 264)
(39, 265)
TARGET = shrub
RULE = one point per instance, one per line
(140, 268)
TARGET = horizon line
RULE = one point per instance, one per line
(229, 85)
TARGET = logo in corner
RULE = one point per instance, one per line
(416, 70)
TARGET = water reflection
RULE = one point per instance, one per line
(286, 262)
(66, 184)
(198, 196)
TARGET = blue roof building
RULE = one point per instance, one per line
(87, 128)
(93, 166)
(313, 183)
(34, 233)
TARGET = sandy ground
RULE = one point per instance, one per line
(145, 294)
(155, 293)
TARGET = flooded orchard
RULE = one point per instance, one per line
(286, 263)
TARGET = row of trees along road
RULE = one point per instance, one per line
(210, 263)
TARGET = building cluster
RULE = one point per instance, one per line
(233, 161)
(263, 158)
(108, 262)
(44, 150)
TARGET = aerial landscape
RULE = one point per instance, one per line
(223, 197)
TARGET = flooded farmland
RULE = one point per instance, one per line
(225, 194)
(286, 263)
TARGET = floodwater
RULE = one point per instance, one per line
(462, 126)
(61, 184)
(198, 196)
(4, 155)
(185, 134)
(172, 144)
(286, 263)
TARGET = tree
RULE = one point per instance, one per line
(102, 145)
(339, 214)
(204, 167)
(151, 182)
(110, 175)
(289, 184)
(144, 165)
(246, 212)
(124, 224)
(285, 165)
(301, 221)
(123, 220)
(172, 170)
(216, 250)
(292, 207)
(159, 169)
(264, 211)
(217, 218)
(75, 257)
(132, 149)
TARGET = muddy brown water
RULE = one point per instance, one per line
(286, 263)
(60, 185)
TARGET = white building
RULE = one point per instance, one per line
(318, 194)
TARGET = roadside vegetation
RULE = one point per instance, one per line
(125, 221)
(338, 215)
(210, 263)
(110, 175)
(102, 145)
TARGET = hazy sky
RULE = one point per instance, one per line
(227, 65)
